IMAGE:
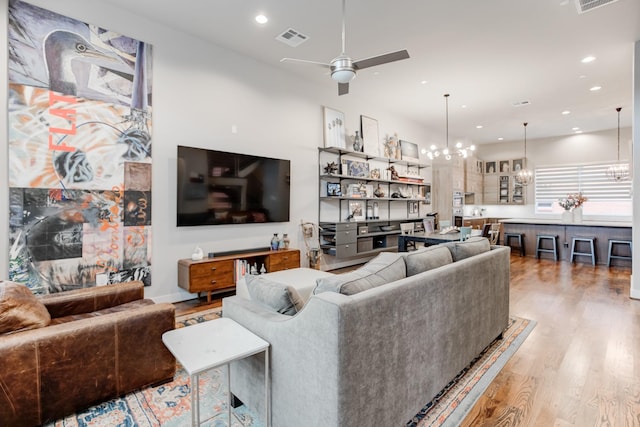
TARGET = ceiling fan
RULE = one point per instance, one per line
(343, 68)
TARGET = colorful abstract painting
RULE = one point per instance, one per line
(79, 153)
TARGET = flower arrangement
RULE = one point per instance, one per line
(572, 201)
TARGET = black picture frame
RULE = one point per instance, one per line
(334, 189)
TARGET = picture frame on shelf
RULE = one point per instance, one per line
(370, 135)
(413, 207)
(490, 167)
(428, 224)
(517, 165)
(356, 168)
(357, 190)
(409, 151)
(334, 130)
(505, 166)
(334, 189)
(356, 211)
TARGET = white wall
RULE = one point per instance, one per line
(199, 91)
(635, 278)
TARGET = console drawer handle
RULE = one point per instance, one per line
(213, 282)
(214, 268)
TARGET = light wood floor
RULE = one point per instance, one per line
(581, 364)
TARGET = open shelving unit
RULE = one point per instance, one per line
(367, 221)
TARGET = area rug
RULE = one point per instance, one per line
(169, 405)
(199, 317)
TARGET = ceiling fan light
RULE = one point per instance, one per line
(458, 144)
(445, 152)
(343, 76)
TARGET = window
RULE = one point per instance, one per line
(605, 197)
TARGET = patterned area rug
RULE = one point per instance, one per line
(169, 405)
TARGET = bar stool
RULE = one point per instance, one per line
(610, 254)
(518, 236)
(574, 246)
(554, 239)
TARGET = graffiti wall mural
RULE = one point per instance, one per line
(79, 153)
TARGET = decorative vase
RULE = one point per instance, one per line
(274, 242)
(577, 214)
(567, 216)
(286, 241)
(357, 142)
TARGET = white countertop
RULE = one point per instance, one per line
(544, 221)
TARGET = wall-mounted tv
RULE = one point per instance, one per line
(217, 187)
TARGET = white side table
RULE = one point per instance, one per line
(211, 344)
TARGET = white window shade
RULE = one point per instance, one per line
(605, 197)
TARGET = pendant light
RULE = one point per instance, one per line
(460, 150)
(524, 175)
(619, 171)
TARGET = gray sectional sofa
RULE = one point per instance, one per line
(368, 350)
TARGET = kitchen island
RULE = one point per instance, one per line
(602, 231)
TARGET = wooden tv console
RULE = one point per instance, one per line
(214, 275)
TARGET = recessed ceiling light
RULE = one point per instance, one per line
(595, 88)
(463, 106)
(424, 82)
(565, 112)
(376, 73)
(479, 127)
(261, 19)
(578, 131)
(576, 128)
(582, 76)
(501, 139)
(588, 59)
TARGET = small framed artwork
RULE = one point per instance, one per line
(370, 136)
(334, 131)
(479, 166)
(333, 189)
(357, 169)
(505, 166)
(413, 208)
(490, 167)
(409, 151)
(356, 190)
(517, 165)
(356, 212)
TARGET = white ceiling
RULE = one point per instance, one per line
(487, 54)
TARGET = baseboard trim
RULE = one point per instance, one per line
(633, 293)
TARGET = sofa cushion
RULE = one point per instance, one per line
(20, 309)
(385, 268)
(468, 248)
(128, 306)
(427, 259)
(275, 295)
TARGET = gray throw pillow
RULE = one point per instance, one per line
(427, 259)
(468, 248)
(275, 295)
(385, 268)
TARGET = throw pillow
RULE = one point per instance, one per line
(385, 268)
(277, 296)
(468, 248)
(427, 259)
(20, 309)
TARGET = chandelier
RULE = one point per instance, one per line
(618, 171)
(524, 176)
(459, 150)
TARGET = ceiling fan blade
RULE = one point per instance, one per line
(304, 61)
(343, 88)
(381, 59)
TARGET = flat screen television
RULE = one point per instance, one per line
(217, 187)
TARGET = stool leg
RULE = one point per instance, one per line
(609, 253)
(573, 249)
(538, 247)
(593, 252)
(521, 243)
(555, 249)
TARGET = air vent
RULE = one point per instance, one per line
(292, 38)
(587, 5)
(520, 103)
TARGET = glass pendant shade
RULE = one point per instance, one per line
(618, 171)
(525, 175)
(459, 150)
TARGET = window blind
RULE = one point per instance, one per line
(555, 182)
